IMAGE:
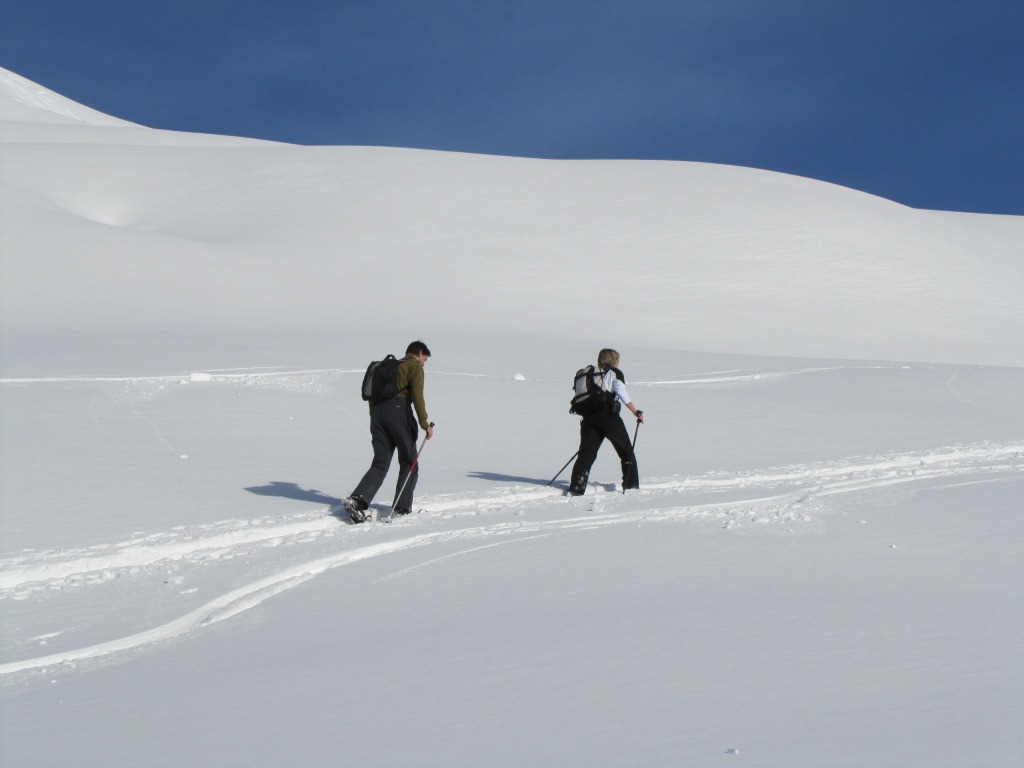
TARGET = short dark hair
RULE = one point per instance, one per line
(417, 348)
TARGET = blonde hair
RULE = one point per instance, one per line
(607, 358)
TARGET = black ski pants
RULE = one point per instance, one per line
(392, 427)
(594, 428)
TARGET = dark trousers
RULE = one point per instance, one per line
(593, 431)
(392, 427)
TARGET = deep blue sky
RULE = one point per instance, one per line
(919, 101)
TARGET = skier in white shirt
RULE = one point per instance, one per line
(606, 423)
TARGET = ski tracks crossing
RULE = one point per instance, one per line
(785, 497)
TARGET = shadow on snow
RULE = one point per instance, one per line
(499, 478)
(293, 491)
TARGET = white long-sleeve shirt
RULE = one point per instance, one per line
(611, 383)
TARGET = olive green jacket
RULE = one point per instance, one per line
(410, 386)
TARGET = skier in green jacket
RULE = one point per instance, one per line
(394, 427)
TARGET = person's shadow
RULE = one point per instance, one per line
(497, 478)
(312, 495)
(293, 491)
(563, 484)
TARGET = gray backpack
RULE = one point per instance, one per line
(588, 395)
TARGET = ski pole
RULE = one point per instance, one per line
(638, 423)
(632, 448)
(408, 477)
(563, 468)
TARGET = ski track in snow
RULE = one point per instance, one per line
(737, 376)
(793, 493)
(249, 375)
(210, 375)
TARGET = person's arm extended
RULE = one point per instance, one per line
(416, 379)
(620, 392)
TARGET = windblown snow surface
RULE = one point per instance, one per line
(823, 566)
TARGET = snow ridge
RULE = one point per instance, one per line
(24, 101)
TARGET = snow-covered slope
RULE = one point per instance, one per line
(823, 565)
(32, 114)
(22, 101)
(175, 234)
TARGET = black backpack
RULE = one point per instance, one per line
(380, 383)
(588, 395)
